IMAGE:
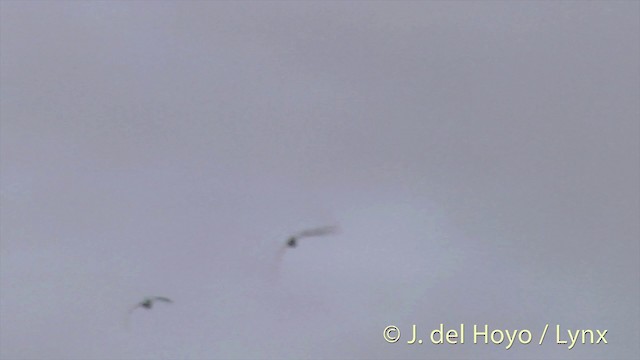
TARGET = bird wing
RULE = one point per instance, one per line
(160, 298)
(127, 321)
(318, 231)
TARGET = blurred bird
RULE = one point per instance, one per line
(292, 242)
(146, 303)
(327, 230)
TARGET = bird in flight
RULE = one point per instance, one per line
(322, 231)
(292, 242)
(147, 303)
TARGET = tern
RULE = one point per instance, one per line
(327, 230)
(147, 303)
(292, 241)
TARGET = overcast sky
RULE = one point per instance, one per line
(482, 160)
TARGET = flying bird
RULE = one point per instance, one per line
(327, 230)
(292, 242)
(147, 303)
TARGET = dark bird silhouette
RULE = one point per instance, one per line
(327, 230)
(292, 242)
(147, 303)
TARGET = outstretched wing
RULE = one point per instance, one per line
(127, 321)
(132, 309)
(327, 230)
(160, 298)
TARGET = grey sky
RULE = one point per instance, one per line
(482, 160)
